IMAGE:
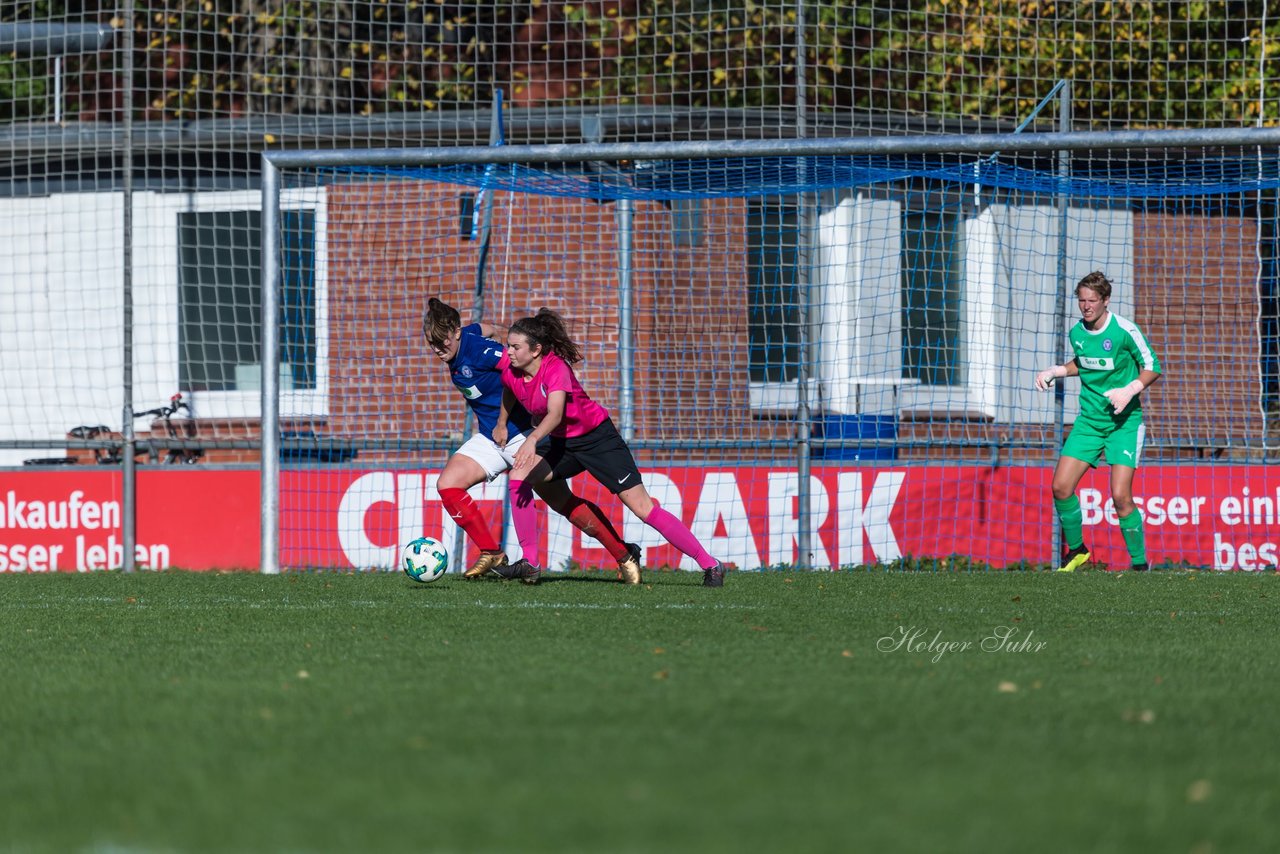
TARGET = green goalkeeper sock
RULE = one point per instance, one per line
(1072, 520)
(1131, 529)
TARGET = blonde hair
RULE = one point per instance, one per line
(1097, 283)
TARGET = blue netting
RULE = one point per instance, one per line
(1113, 177)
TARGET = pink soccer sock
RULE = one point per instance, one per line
(524, 516)
(679, 536)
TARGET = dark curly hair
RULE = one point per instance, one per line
(546, 329)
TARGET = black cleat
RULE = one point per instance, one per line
(527, 572)
(713, 577)
(1139, 567)
(522, 570)
(1073, 559)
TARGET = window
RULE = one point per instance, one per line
(932, 275)
(773, 291)
(220, 301)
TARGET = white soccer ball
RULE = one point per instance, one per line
(424, 559)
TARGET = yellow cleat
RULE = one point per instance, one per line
(1074, 559)
(486, 564)
(629, 566)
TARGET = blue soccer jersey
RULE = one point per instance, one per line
(474, 371)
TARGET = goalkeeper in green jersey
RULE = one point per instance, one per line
(1115, 363)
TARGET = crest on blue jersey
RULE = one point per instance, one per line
(1106, 345)
(468, 373)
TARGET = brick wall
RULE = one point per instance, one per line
(1196, 288)
(391, 249)
(393, 245)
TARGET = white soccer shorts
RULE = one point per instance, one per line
(494, 460)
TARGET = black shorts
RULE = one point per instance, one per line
(602, 453)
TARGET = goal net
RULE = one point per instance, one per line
(129, 227)
(821, 361)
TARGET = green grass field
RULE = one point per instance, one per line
(334, 712)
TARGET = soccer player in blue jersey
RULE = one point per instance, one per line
(1115, 364)
(475, 362)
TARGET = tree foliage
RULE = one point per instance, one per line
(1132, 63)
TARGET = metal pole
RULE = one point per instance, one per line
(684, 150)
(802, 79)
(1050, 97)
(804, 415)
(484, 215)
(804, 275)
(56, 39)
(57, 90)
(1264, 236)
(1064, 287)
(626, 344)
(129, 471)
(270, 461)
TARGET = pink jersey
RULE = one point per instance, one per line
(581, 413)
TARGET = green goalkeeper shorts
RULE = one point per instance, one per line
(1122, 442)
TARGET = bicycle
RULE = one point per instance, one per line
(185, 456)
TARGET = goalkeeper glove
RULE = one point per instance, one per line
(1046, 378)
(1120, 397)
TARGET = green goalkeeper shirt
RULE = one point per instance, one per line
(1111, 357)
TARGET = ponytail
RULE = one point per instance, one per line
(546, 329)
(439, 322)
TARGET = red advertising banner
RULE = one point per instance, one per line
(69, 519)
(1224, 517)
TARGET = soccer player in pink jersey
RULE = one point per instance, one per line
(475, 362)
(581, 437)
